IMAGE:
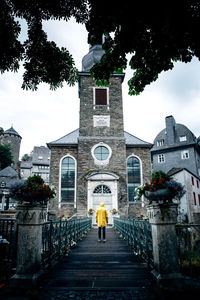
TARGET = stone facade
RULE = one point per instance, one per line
(135, 208)
(88, 109)
(57, 153)
(12, 138)
(101, 129)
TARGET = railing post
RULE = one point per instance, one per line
(29, 245)
(163, 218)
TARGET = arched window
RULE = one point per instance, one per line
(134, 176)
(102, 189)
(68, 180)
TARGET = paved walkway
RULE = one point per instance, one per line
(96, 270)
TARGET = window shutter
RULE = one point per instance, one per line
(101, 96)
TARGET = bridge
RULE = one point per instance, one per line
(121, 268)
(98, 269)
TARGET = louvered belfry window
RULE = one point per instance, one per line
(101, 97)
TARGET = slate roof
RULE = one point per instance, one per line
(92, 57)
(9, 176)
(174, 171)
(8, 172)
(180, 130)
(72, 139)
(133, 140)
(26, 164)
(41, 156)
(11, 130)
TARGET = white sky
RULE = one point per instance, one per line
(44, 116)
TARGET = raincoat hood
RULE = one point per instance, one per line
(101, 216)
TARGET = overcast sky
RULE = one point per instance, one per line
(44, 116)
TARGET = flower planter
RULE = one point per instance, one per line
(160, 195)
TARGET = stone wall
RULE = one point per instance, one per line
(57, 153)
(87, 109)
(14, 142)
(116, 165)
(136, 209)
(111, 134)
(90, 135)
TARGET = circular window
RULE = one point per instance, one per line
(101, 153)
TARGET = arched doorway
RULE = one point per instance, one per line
(102, 188)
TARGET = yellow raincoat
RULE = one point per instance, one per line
(101, 216)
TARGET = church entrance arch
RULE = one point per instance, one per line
(102, 188)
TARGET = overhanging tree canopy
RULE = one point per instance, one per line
(6, 158)
(156, 33)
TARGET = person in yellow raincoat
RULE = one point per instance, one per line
(102, 220)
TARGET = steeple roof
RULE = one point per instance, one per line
(93, 57)
(12, 131)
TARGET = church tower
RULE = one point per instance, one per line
(101, 170)
(11, 137)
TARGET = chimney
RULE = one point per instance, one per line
(170, 129)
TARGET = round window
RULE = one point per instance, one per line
(101, 153)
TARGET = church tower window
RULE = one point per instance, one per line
(134, 176)
(101, 153)
(101, 97)
(67, 180)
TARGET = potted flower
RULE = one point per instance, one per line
(162, 188)
(114, 211)
(91, 211)
(32, 191)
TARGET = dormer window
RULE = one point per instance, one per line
(160, 143)
(183, 138)
(40, 157)
(185, 154)
(100, 96)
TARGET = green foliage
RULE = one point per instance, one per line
(33, 190)
(6, 158)
(157, 176)
(156, 34)
(159, 181)
(26, 157)
(42, 59)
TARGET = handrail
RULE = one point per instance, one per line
(138, 235)
(59, 236)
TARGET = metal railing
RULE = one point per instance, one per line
(138, 235)
(8, 251)
(188, 240)
(59, 236)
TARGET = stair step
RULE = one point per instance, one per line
(93, 265)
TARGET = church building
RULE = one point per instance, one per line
(99, 162)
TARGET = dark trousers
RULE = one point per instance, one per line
(104, 232)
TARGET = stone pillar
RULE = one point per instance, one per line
(163, 218)
(29, 244)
